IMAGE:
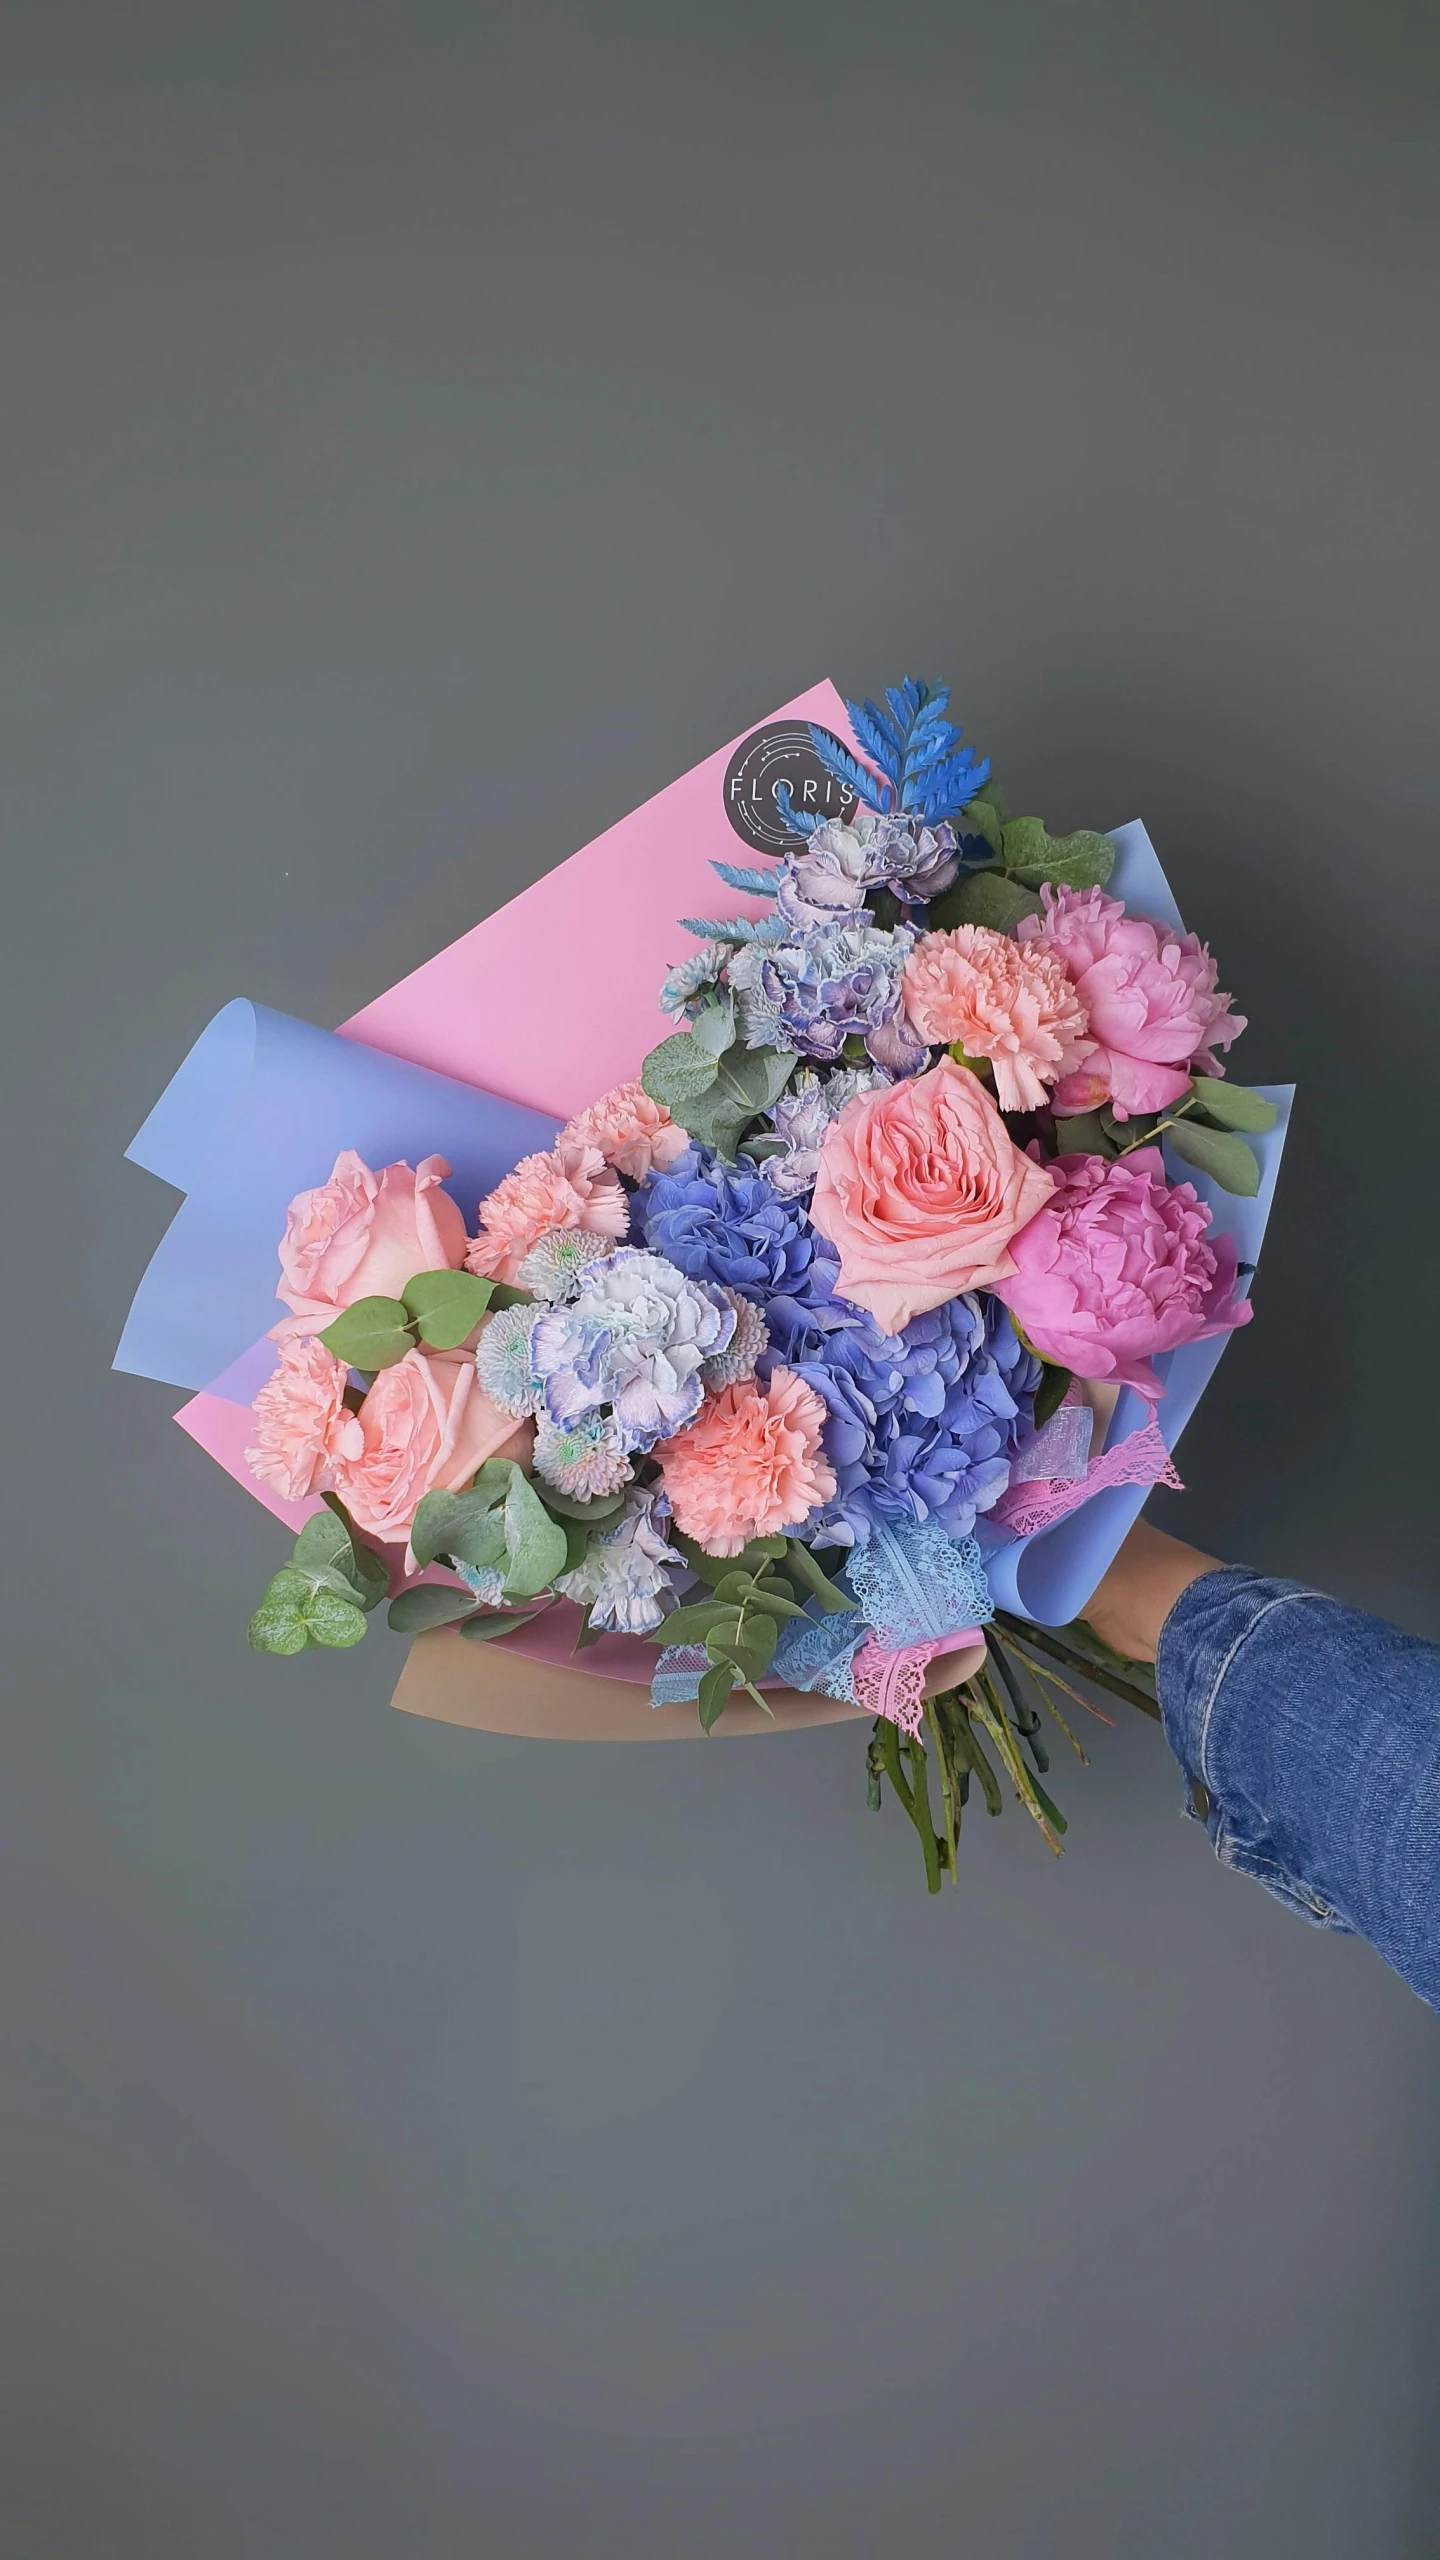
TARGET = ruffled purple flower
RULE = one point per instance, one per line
(633, 1343)
(826, 877)
(814, 994)
(923, 1424)
(801, 1117)
(622, 1578)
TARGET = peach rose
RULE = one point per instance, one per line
(920, 1190)
(426, 1426)
(1015, 1007)
(301, 1422)
(570, 1187)
(363, 1235)
(634, 1134)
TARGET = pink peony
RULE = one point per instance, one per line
(571, 1187)
(921, 1189)
(301, 1422)
(364, 1235)
(1118, 1266)
(634, 1135)
(426, 1426)
(749, 1465)
(1017, 1008)
(1150, 996)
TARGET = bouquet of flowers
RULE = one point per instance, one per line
(826, 1358)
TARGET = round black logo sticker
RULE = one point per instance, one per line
(781, 753)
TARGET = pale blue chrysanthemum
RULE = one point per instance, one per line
(485, 1580)
(584, 1458)
(554, 1268)
(503, 1364)
(689, 978)
(623, 1579)
(739, 1358)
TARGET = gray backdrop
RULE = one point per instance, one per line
(425, 432)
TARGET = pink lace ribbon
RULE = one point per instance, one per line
(893, 1684)
(1026, 1509)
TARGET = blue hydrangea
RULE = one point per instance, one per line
(922, 1425)
(726, 1224)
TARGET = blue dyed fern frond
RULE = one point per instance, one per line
(875, 738)
(799, 821)
(736, 929)
(929, 774)
(943, 791)
(838, 761)
(756, 884)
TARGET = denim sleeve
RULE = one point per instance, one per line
(1310, 1737)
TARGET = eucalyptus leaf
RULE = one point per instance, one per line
(1050, 1394)
(373, 1334)
(751, 1647)
(1083, 1134)
(980, 817)
(715, 1693)
(802, 1568)
(568, 1506)
(484, 1628)
(713, 1027)
(277, 1626)
(322, 1542)
(1232, 1106)
(467, 1526)
(373, 1575)
(696, 1622)
(577, 1542)
(1219, 1153)
(678, 1072)
(744, 1084)
(333, 1622)
(535, 1544)
(428, 1604)
(984, 897)
(446, 1306)
(587, 1634)
(1032, 855)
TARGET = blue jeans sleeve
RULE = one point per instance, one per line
(1310, 1737)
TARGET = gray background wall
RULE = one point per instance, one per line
(426, 431)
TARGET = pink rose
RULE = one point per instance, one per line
(302, 1424)
(634, 1135)
(921, 1189)
(569, 1187)
(1150, 996)
(426, 1426)
(364, 1235)
(1120, 1265)
(1017, 1008)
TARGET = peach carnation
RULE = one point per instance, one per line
(634, 1134)
(302, 1424)
(1018, 1008)
(571, 1187)
(749, 1465)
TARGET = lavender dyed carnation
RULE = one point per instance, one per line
(826, 877)
(801, 1117)
(633, 1342)
(814, 993)
(623, 1579)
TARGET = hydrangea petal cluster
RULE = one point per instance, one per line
(583, 1459)
(725, 1224)
(999, 1000)
(826, 874)
(750, 1466)
(742, 1355)
(1150, 997)
(815, 993)
(801, 1117)
(634, 1342)
(302, 1423)
(1121, 1265)
(568, 1187)
(623, 1579)
(922, 1425)
(635, 1135)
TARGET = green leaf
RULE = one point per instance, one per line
(802, 1568)
(482, 1629)
(372, 1578)
(735, 1585)
(777, 1597)
(1083, 1134)
(678, 1072)
(535, 1544)
(695, 1623)
(502, 1294)
(1219, 1153)
(467, 1526)
(588, 1634)
(715, 1693)
(277, 1626)
(980, 817)
(752, 1648)
(713, 1027)
(1050, 1394)
(985, 897)
(428, 1604)
(577, 1542)
(332, 1621)
(1232, 1106)
(744, 1084)
(373, 1334)
(446, 1306)
(324, 1541)
(1032, 855)
(568, 1506)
